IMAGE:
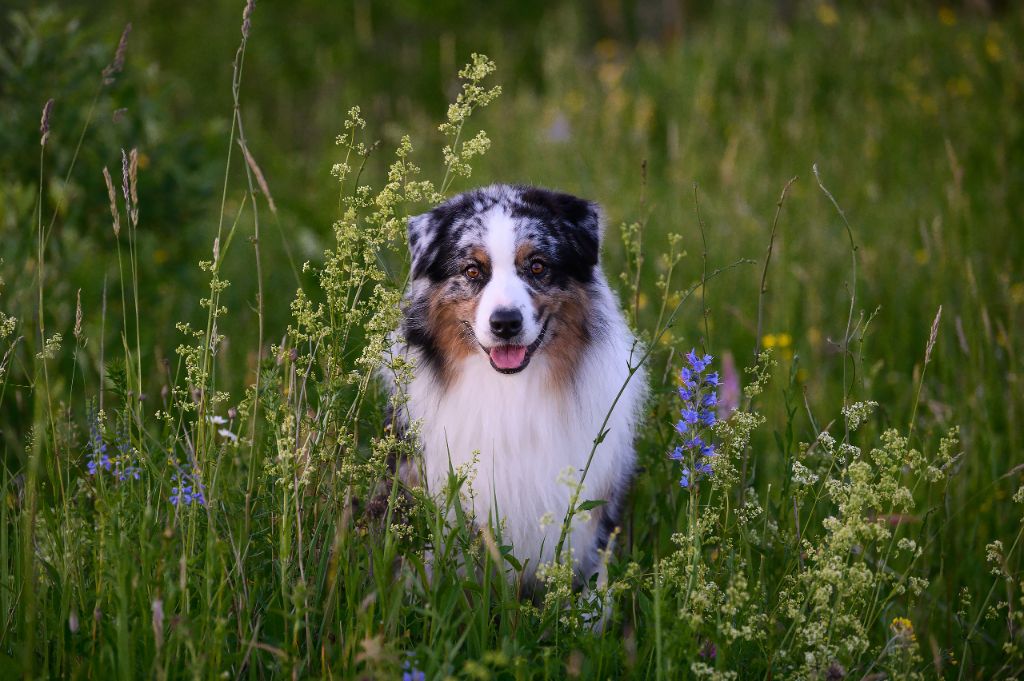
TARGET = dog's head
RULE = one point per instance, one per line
(504, 271)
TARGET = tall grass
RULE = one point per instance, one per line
(170, 519)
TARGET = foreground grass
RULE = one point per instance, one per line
(835, 537)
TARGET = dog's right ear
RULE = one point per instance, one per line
(421, 231)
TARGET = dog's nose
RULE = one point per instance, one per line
(506, 322)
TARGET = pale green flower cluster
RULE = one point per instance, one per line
(359, 300)
(51, 347)
(458, 153)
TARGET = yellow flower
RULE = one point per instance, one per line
(827, 14)
(903, 629)
(947, 15)
(1017, 293)
(993, 49)
(921, 256)
(777, 340)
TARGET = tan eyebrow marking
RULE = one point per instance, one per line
(523, 252)
(479, 254)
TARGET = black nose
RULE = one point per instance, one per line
(506, 322)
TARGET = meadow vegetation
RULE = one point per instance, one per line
(813, 223)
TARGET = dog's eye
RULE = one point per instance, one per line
(472, 272)
(537, 268)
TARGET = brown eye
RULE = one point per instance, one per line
(472, 272)
(537, 268)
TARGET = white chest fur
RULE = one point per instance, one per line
(525, 433)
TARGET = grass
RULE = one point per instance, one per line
(859, 520)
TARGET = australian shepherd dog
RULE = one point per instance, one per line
(520, 350)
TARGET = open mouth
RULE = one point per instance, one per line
(511, 359)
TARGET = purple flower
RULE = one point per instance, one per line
(187, 489)
(411, 673)
(699, 395)
(123, 464)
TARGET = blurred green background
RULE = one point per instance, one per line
(912, 112)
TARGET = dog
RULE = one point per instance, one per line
(520, 351)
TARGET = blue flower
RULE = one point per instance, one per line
(698, 364)
(410, 673)
(699, 396)
(186, 489)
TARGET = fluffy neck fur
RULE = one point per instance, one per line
(527, 430)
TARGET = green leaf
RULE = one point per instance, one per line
(590, 504)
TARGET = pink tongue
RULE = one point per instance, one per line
(508, 356)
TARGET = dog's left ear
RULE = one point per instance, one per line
(579, 221)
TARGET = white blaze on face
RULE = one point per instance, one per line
(504, 288)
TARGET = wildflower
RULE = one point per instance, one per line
(903, 630)
(698, 393)
(225, 433)
(730, 398)
(98, 459)
(187, 489)
(123, 463)
(411, 673)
